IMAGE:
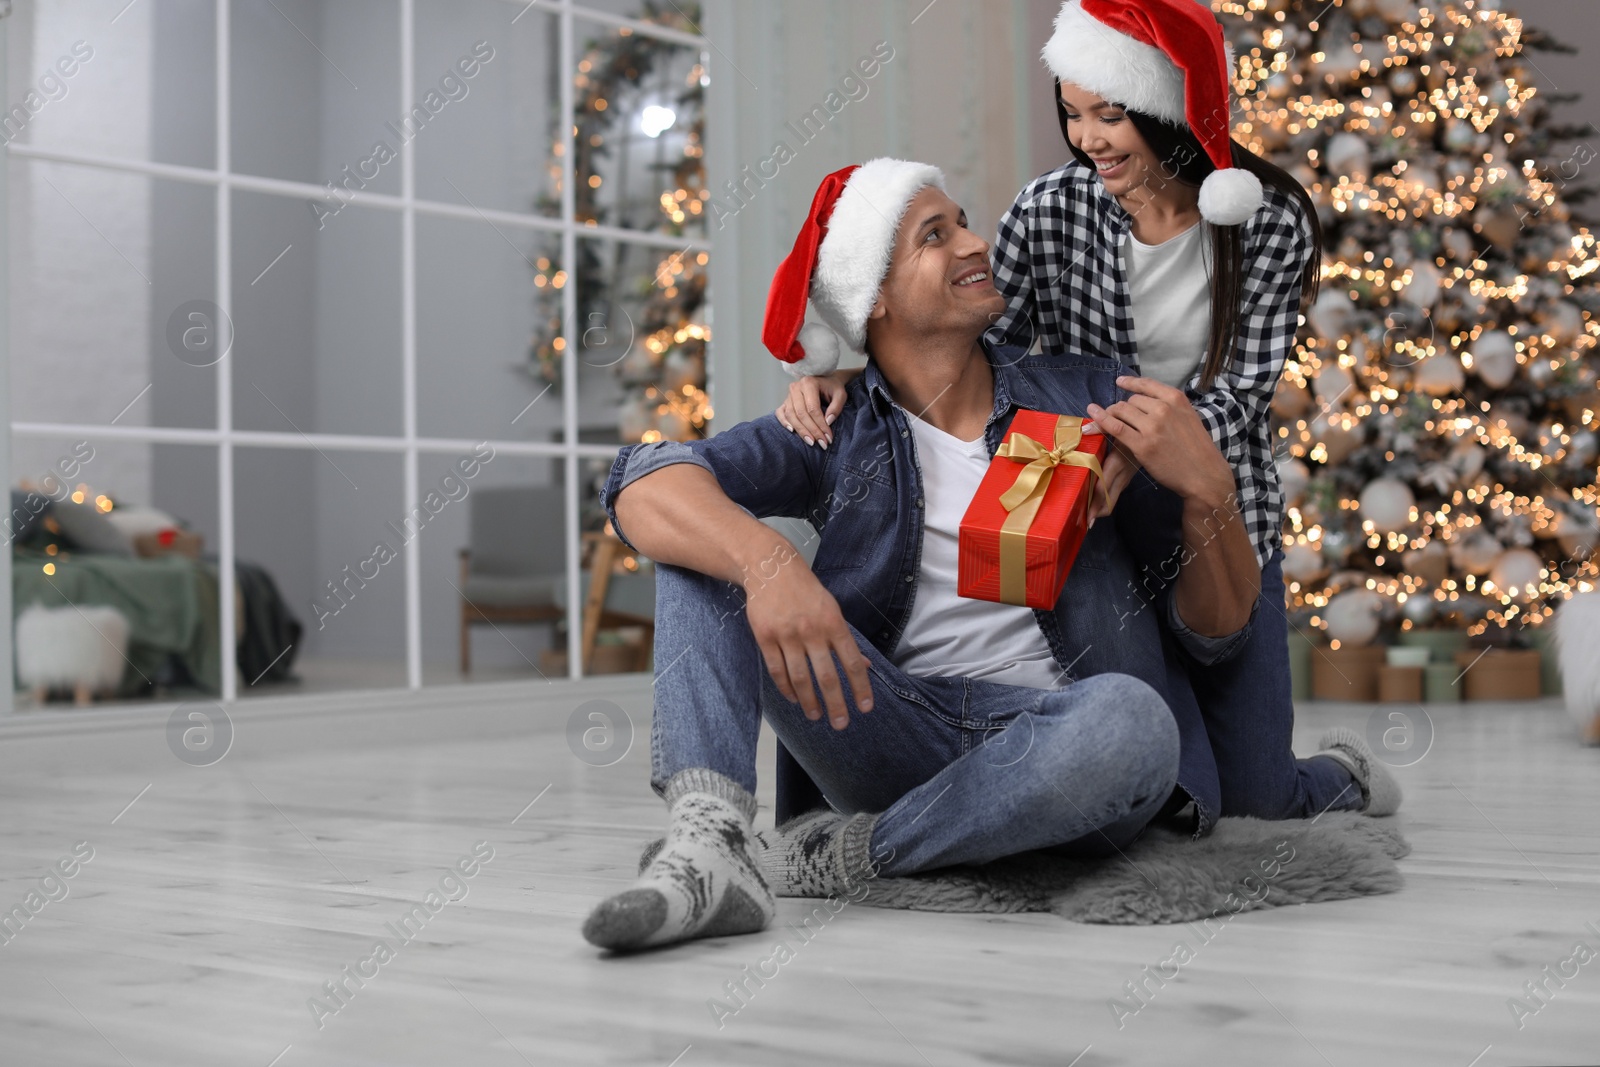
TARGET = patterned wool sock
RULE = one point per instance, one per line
(818, 854)
(1380, 793)
(796, 860)
(703, 882)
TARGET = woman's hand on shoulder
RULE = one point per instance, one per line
(812, 405)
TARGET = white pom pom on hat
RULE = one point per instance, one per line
(1168, 59)
(1229, 197)
(824, 290)
(821, 346)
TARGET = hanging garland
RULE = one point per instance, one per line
(663, 373)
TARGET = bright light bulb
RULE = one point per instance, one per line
(655, 120)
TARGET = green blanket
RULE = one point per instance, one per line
(170, 603)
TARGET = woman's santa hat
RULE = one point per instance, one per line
(823, 293)
(1168, 59)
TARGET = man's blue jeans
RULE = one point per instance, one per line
(963, 771)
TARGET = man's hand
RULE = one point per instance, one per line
(812, 405)
(1163, 433)
(799, 628)
(679, 515)
(1116, 472)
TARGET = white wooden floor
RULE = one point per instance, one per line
(219, 899)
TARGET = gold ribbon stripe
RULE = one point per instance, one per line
(1026, 494)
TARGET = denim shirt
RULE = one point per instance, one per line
(863, 497)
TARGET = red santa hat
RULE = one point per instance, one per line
(825, 289)
(1168, 59)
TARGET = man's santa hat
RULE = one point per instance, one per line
(824, 291)
(1167, 59)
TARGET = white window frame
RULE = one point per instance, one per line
(409, 444)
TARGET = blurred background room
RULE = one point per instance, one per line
(280, 269)
(324, 323)
(356, 299)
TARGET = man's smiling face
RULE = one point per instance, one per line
(939, 274)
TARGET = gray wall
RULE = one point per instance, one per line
(963, 90)
(183, 479)
(80, 239)
(1572, 22)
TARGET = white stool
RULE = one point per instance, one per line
(82, 649)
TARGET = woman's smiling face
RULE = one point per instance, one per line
(1101, 131)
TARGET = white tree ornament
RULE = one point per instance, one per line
(1303, 563)
(1517, 569)
(1440, 375)
(1353, 617)
(1388, 502)
(1494, 358)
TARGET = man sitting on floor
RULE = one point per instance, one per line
(958, 734)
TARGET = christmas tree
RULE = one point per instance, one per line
(1436, 423)
(647, 325)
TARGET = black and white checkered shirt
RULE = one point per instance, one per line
(1058, 260)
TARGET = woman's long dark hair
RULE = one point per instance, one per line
(1186, 160)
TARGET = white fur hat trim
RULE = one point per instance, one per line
(853, 257)
(1088, 53)
(1117, 68)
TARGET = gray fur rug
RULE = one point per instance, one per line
(1167, 877)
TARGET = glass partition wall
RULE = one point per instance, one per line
(355, 300)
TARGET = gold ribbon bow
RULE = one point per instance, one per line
(1026, 494)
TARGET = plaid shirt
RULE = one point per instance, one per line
(1063, 238)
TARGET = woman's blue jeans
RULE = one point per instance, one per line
(1246, 701)
(962, 771)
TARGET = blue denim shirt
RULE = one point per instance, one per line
(863, 497)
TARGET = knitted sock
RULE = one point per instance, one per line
(1380, 793)
(819, 854)
(795, 859)
(703, 882)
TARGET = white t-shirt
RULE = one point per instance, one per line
(1170, 286)
(952, 636)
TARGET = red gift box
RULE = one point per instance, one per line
(1026, 523)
